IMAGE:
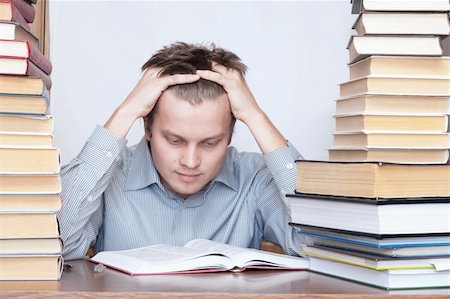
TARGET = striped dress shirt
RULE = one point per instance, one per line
(113, 198)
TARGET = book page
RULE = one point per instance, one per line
(213, 246)
(162, 253)
(161, 259)
(249, 257)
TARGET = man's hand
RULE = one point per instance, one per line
(244, 107)
(242, 102)
(142, 99)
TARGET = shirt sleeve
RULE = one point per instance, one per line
(84, 180)
(281, 164)
(273, 182)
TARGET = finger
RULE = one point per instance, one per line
(179, 79)
(219, 68)
(211, 76)
(150, 72)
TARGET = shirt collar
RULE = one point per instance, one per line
(142, 171)
(226, 173)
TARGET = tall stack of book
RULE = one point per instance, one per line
(379, 211)
(30, 248)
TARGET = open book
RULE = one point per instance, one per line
(198, 255)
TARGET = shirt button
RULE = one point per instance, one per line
(108, 154)
(289, 166)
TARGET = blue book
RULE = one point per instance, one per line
(392, 246)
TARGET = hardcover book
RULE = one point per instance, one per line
(362, 46)
(14, 31)
(390, 104)
(417, 155)
(413, 86)
(388, 216)
(400, 66)
(399, 5)
(196, 256)
(24, 50)
(402, 23)
(372, 180)
(31, 267)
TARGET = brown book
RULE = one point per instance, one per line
(37, 203)
(389, 154)
(30, 184)
(30, 246)
(396, 139)
(402, 23)
(26, 124)
(388, 104)
(14, 31)
(25, 140)
(400, 66)
(28, 225)
(360, 47)
(22, 85)
(372, 180)
(399, 5)
(29, 104)
(24, 67)
(375, 122)
(437, 86)
(29, 160)
(31, 267)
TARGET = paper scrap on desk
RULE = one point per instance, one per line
(442, 265)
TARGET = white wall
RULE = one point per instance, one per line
(296, 53)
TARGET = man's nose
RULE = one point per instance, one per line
(190, 157)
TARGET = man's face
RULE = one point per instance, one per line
(189, 142)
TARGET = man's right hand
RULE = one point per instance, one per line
(142, 99)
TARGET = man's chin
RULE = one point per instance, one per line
(186, 192)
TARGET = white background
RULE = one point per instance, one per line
(295, 51)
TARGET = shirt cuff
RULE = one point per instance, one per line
(281, 164)
(102, 149)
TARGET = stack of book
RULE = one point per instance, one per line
(30, 248)
(394, 106)
(379, 211)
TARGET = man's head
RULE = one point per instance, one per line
(190, 127)
(183, 58)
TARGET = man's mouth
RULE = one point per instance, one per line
(188, 177)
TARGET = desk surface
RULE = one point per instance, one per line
(82, 282)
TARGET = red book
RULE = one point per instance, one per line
(14, 31)
(10, 13)
(23, 49)
(23, 67)
(26, 9)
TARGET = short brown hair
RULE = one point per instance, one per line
(184, 58)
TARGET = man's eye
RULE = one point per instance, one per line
(174, 141)
(210, 143)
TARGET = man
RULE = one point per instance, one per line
(183, 180)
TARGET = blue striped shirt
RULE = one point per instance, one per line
(113, 198)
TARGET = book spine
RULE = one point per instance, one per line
(39, 59)
(16, 16)
(26, 9)
(33, 70)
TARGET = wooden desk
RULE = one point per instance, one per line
(82, 282)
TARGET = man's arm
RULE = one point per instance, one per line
(85, 179)
(278, 178)
(245, 108)
(142, 99)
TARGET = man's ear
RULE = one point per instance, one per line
(147, 129)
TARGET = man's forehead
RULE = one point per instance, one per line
(170, 93)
